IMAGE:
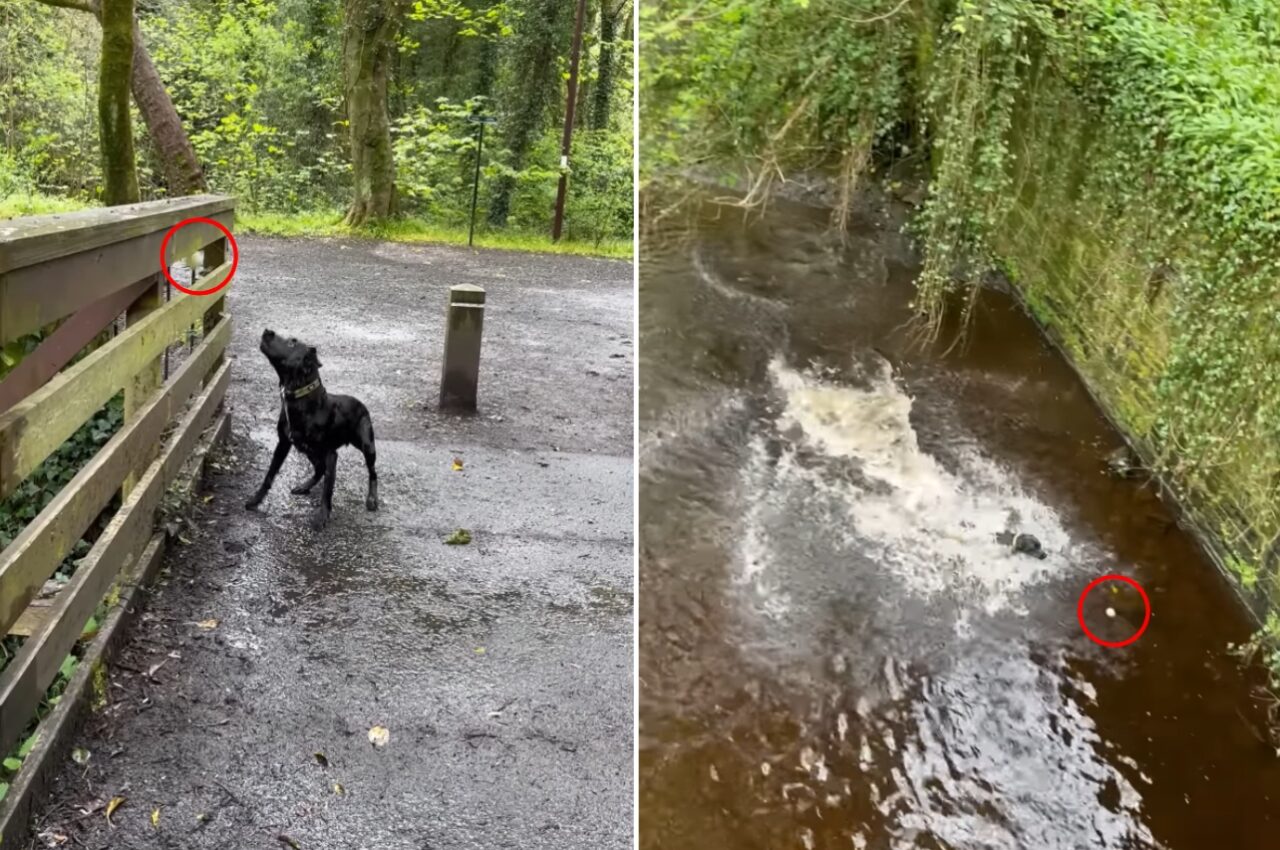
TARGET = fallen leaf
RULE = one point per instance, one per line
(208, 499)
(322, 759)
(457, 464)
(479, 650)
(155, 818)
(288, 842)
(116, 802)
(80, 756)
(202, 818)
(379, 736)
(461, 537)
(208, 624)
(338, 789)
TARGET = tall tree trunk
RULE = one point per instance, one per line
(182, 172)
(119, 169)
(602, 97)
(369, 28)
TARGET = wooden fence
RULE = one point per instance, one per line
(83, 272)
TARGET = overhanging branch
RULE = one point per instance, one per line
(89, 6)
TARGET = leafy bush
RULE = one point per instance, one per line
(435, 151)
(32, 495)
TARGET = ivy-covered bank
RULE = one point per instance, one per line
(1119, 160)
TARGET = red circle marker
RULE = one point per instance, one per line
(1116, 643)
(164, 260)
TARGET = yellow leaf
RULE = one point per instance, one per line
(116, 802)
(479, 650)
(379, 736)
(208, 624)
(155, 818)
(457, 464)
(338, 789)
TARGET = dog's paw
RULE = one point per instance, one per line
(319, 519)
(300, 490)
(252, 504)
(371, 502)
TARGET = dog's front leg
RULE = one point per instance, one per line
(277, 461)
(321, 517)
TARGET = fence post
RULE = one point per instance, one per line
(215, 254)
(460, 373)
(147, 380)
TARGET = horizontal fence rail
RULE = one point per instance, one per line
(66, 283)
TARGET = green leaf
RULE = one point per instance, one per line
(28, 745)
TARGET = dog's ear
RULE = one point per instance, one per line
(312, 359)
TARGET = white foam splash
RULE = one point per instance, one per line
(935, 530)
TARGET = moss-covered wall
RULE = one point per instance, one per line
(1125, 293)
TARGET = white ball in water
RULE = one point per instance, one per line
(1111, 612)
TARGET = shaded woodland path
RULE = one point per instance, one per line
(502, 669)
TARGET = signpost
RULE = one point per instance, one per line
(481, 121)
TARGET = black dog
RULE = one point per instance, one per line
(317, 423)
(1029, 544)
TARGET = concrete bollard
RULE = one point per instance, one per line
(460, 374)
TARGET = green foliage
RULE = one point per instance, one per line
(528, 90)
(490, 22)
(419, 230)
(435, 151)
(48, 100)
(258, 86)
(39, 488)
(601, 183)
(18, 205)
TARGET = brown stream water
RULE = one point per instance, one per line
(835, 650)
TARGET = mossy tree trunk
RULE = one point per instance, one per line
(369, 31)
(119, 168)
(602, 96)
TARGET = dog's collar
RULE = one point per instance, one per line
(300, 391)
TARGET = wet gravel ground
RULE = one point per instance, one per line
(501, 670)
